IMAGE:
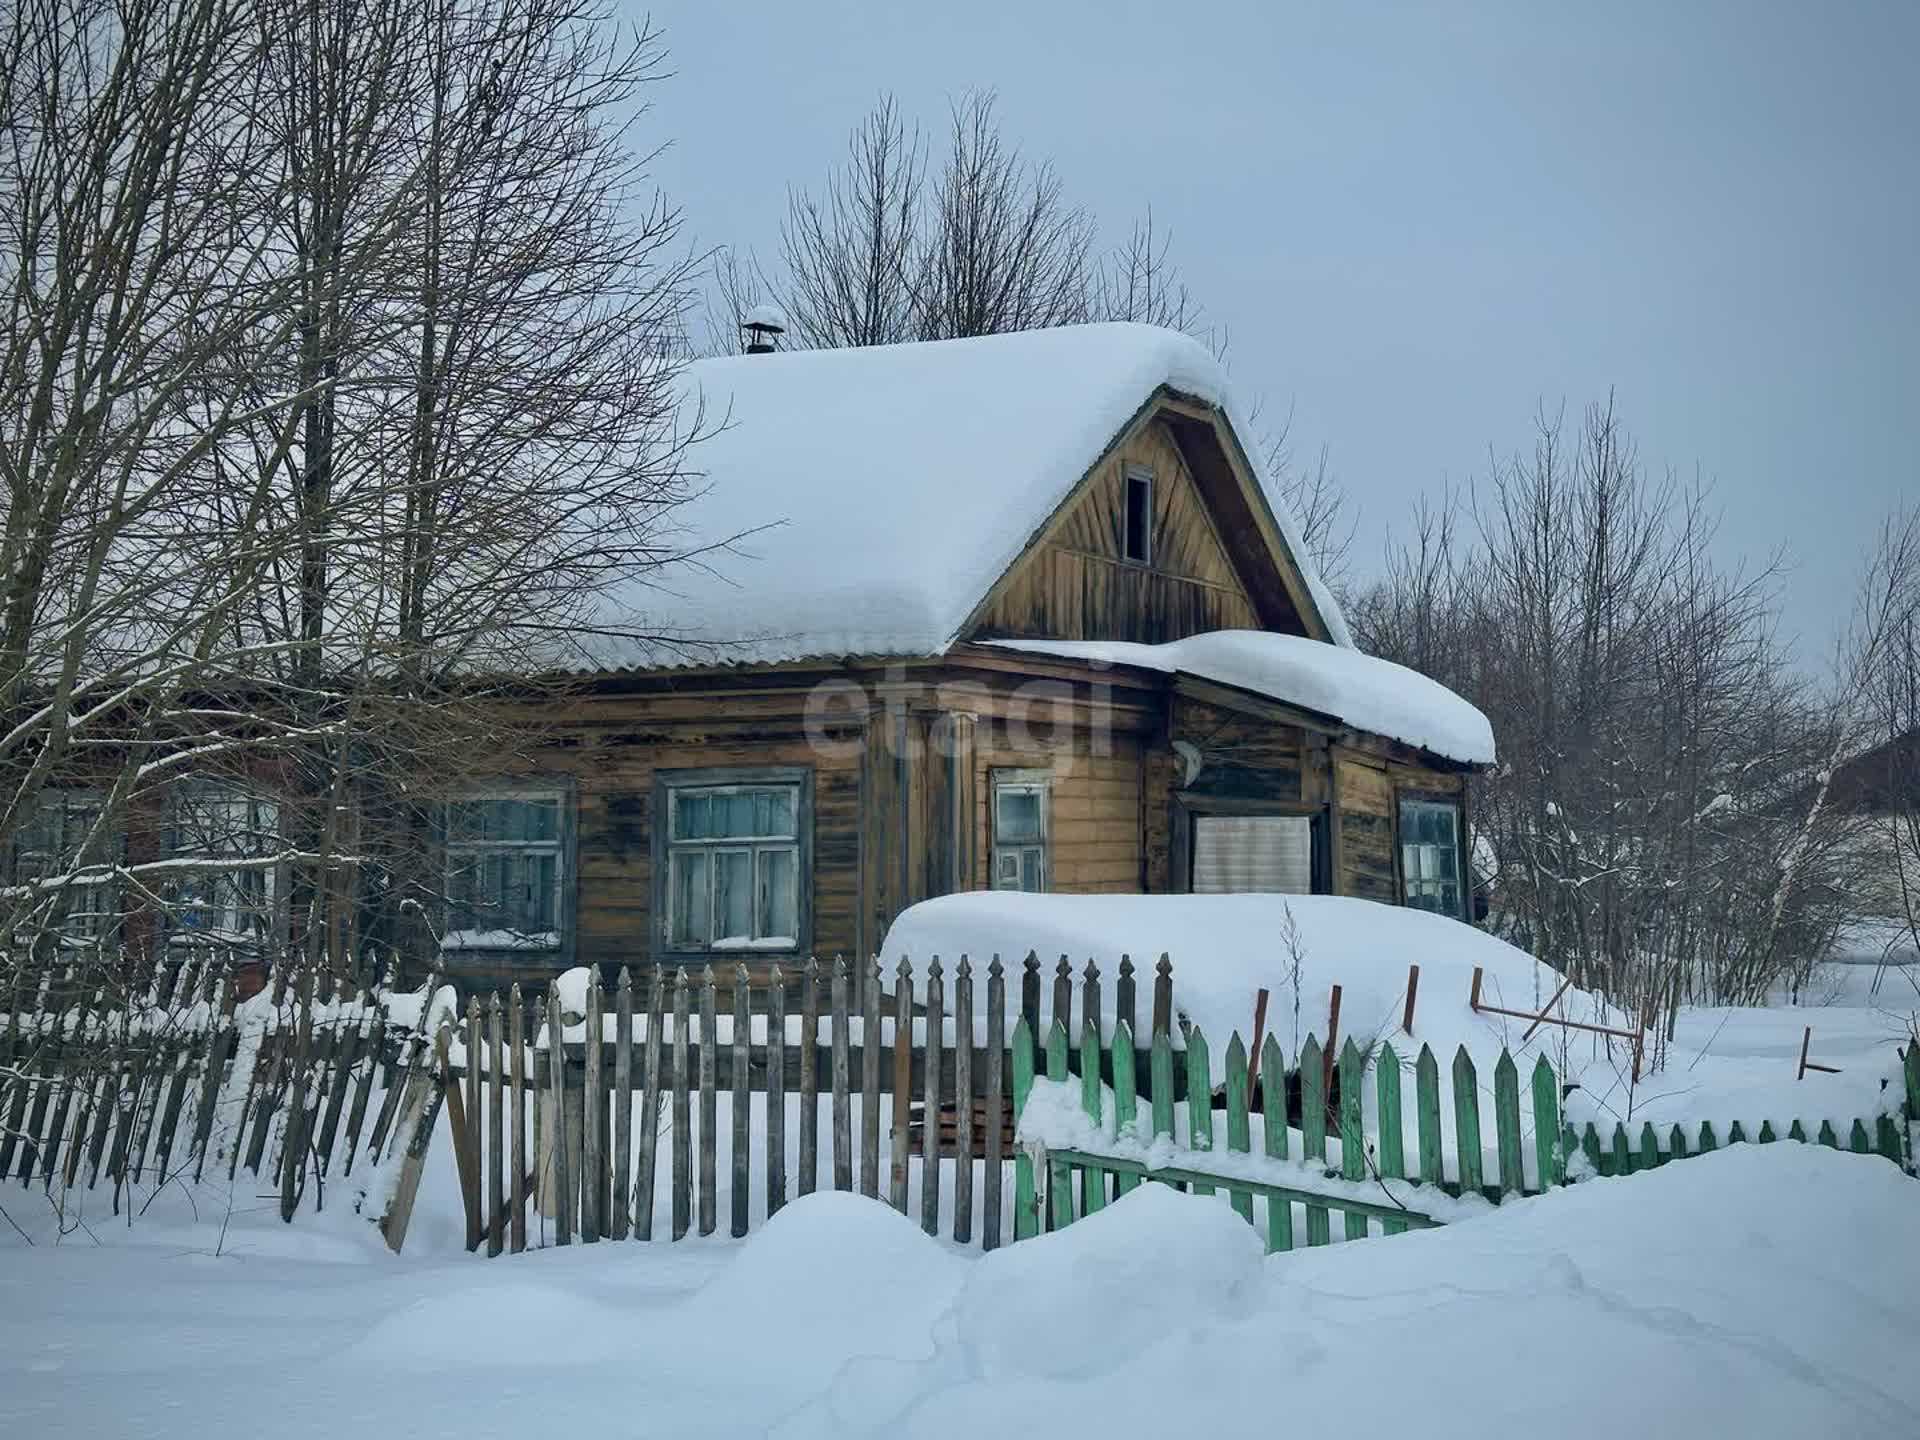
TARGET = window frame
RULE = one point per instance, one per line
(559, 789)
(111, 890)
(1020, 778)
(1453, 803)
(666, 784)
(1141, 476)
(1188, 808)
(276, 931)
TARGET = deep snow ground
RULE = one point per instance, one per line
(1758, 1291)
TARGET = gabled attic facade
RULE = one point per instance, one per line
(1011, 612)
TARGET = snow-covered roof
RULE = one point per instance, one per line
(878, 494)
(1357, 689)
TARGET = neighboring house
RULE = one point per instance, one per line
(1878, 791)
(1006, 612)
(992, 618)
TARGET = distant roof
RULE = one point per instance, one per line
(881, 492)
(1355, 689)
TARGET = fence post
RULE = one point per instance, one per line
(496, 1129)
(517, 1091)
(742, 1102)
(870, 996)
(902, 1082)
(996, 1060)
(592, 1152)
(1313, 1131)
(1353, 1145)
(776, 1090)
(557, 1141)
(842, 1023)
(963, 1101)
(809, 1075)
(930, 1104)
(682, 1106)
(709, 1104)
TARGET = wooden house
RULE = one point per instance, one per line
(1012, 611)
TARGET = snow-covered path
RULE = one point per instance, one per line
(1759, 1291)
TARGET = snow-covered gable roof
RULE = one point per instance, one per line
(1356, 689)
(880, 493)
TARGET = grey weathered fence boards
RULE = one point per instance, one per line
(177, 1081)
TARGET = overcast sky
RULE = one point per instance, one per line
(1419, 225)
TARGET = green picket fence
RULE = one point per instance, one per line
(1370, 1186)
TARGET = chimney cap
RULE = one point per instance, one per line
(766, 319)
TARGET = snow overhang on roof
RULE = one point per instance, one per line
(1356, 689)
(865, 501)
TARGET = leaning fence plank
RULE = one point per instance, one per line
(930, 1111)
(1466, 1122)
(650, 1105)
(517, 1075)
(1199, 1098)
(1026, 1207)
(841, 1023)
(1059, 1172)
(776, 1055)
(619, 1221)
(1506, 1125)
(1546, 1124)
(213, 1078)
(902, 1083)
(996, 1100)
(419, 1113)
(1093, 1180)
(1393, 1135)
(709, 1104)
(870, 995)
(1313, 1131)
(809, 1175)
(353, 1038)
(1353, 1145)
(1239, 1127)
(496, 1128)
(1273, 1126)
(1126, 1102)
(476, 1062)
(963, 1101)
(741, 1099)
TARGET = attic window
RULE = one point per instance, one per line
(1139, 537)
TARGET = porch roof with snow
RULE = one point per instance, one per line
(867, 502)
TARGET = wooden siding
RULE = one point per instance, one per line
(1076, 583)
(1369, 787)
(1094, 808)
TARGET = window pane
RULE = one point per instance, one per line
(1019, 814)
(779, 895)
(1031, 878)
(690, 896)
(692, 815)
(1006, 870)
(732, 894)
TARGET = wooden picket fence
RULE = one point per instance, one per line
(559, 1121)
(1369, 1185)
(1102, 1152)
(172, 1080)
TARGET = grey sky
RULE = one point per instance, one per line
(1417, 227)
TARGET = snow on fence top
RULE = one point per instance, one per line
(864, 501)
(1365, 692)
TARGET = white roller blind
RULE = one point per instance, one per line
(1235, 853)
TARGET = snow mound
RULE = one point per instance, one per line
(859, 1279)
(461, 1327)
(1224, 948)
(1025, 1309)
(1365, 692)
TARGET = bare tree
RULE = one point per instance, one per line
(1649, 819)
